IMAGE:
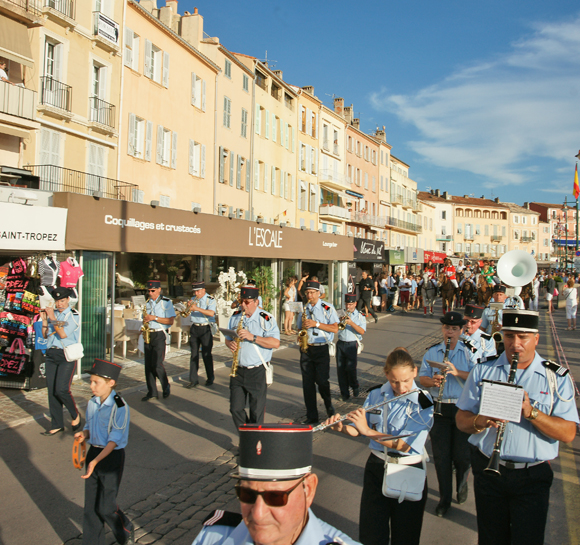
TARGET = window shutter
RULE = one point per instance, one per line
(239, 174)
(193, 81)
(265, 178)
(148, 140)
(202, 161)
(248, 176)
(231, 169)
(203, 95)
(173, 150)
(301, 158)
(191, 152)
(315, 128)
(267, 124)
(58, 62)
(103, 83)
(282, 176)
(315, 160)
(225, 121)
(292, 190)
(274, 128)
(44, 155)
(135, 65)
(256, 174)
(165, 69)
(159, 144)
(128, 56)
(273, 180)
(286, 186)
(222, 166)
(258, 119)
(148, 54)
(287, 130)
(308, 121)
(293, 138)
(131, 140)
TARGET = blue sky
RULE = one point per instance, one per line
(479, 98)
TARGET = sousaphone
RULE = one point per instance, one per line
(516, 269)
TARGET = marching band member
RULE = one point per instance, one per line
(512, 507)
(381, 515)
(259, 329)
(347, 347)
(481, 344)
(449, 444)
(499, 296)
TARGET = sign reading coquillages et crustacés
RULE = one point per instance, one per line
(34, 228)
(119, 226)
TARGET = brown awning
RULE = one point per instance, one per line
(14, 43)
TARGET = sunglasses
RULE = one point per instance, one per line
(154, 289)
(272, 498)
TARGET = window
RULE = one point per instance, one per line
(245, 82)
(443, 230)
(164, 201)
(156, 64)
(244, 122)
(458, 247)
(166, 147)
(275, 91)
(459, 228)
(313, 201)
(131, 55)
(374, 185)
(516, 235)
(136, 137)
(227, 112)
(325, 142)
(49, 149)
(477, 230)
(197, 91)
(289, 101)
(503, 231)
(443, 215)
(516, 219)
(335, 143)
(196, 159)
(535, 220)
(97, 167)
(545, 242)
(366, 180)
(228, 69)
(486, 230)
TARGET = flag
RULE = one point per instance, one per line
(576, 186)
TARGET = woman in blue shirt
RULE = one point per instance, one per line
(381, 516)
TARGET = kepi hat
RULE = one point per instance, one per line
(453, 318)
(498, 288)
(474, 312)
(153, 284)
(105, 369)
(197, 286)
(523, 321)
(312, 285)
(249, 292)
(60, 293)
(350, 298)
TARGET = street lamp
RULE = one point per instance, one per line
(577, 157)
(565, 213)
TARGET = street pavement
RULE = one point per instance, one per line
(181, 451)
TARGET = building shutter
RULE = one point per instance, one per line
(173, 150)
(148, 70)
(128, 53)
(131, 139)
(165, 69)
(159, 144)
(148, 140)
(191, 153)
(202, 161)
(193, 94)
(203, 95)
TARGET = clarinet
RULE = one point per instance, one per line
(437, 408)
(494, 459)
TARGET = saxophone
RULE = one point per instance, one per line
(437, 408)
(145, 328)
(235, 361)
(303, 334)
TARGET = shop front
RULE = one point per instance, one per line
(32, 239)
(178, 247)
(368, 256)
(414, 259)
(395, 260)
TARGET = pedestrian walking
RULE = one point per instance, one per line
(366, 289)
(289, 297)
(570, 294)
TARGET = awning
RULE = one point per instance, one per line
(334, 191)
(13, 131)
(14, 42)
(354, 194)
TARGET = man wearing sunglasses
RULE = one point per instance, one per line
(160, 315)
(258, 336)
(276, 489)
(481, 345)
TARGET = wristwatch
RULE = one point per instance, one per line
(534, 414)
(317, 324)
(254, 341)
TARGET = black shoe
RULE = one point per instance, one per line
(209, 382)
(131, 538)
(191, 385)
(462, 494)
(148, 397)
(441, 509)
(312, 421)
(79, 425)
(345, 397)
(50, 433)
(376, 320)
(167, 392)
(355, 392)
(330, 411)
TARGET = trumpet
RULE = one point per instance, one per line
(494, 459)
(343, 319)
(184, 310)
(437, 408)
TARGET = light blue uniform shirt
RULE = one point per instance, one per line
(316, 532)
(323, 315)
(163, 308)
(480, 347)
(71, 329)
(348, 334)
(522, 441)
(460, 357)
(413, 286)
(403, 416)
(488, 316)
(206, 303)
(98, 417)
(261, 324)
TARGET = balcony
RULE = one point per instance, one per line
(417, 206)
(26, 12)
(444, 238)
(526, 239)
(335, 148)
(54, 178)
(60, 11)
(405, 225)
(496, 238)
(468, 236)
(329, 179)
(105, 32)
(408, 203)
(368, 219)
(55, 97)
(325, 145)
(331, 211)
(101, 115)
(16, 100)
(396, 199)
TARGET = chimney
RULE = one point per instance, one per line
(381, 135)
(192, 27)
(339, 106)
(445, 195)
(348, 114)
(149, 5)
(356, 123)
(527, 205)
(309, 89)
(466, 196)
(496, 200)
(437, 193)
(168, 13)
(278, 73)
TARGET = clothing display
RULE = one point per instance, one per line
(70, 272)
(48, 269)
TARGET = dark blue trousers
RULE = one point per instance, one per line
(346, 360)
(59, 375)
(315, 367)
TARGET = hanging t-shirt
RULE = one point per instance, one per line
(48, 270)
(70, 272)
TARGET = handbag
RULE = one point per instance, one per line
(376, 301)
(556, 292)
(73, 352)
(13, 362)
(359, 346)
(267, 366)
(403, 482)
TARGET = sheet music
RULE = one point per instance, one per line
(501, 400)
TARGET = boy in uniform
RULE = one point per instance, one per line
(107, 429)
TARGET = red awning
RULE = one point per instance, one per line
(436, 257)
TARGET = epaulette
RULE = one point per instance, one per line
(223, 518)
(433, 345)
(74, 311)
(236, 312)
(470, 345)
(557, 368)
(210, 297)
(119, 400)
(425, 400)
(325, 306)
(374, 387)
(266, 316)
(486, 336)
(163, 298)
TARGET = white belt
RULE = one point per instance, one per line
(198, 325)
(250, 366)
(452, 401)
(403, 460)
(515, 465)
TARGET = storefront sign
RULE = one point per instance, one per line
(395, 257)
(413, 255)
(37, 228)
(435, 257)
(119, 226)
(368, 250)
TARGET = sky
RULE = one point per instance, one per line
(479, 98)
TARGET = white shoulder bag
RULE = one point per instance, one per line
(267, 366)
(75, 351)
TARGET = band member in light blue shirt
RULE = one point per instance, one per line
(480, 344)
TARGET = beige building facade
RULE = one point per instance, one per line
(524, 229)
(404, 219)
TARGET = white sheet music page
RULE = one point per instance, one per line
(501, 400)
